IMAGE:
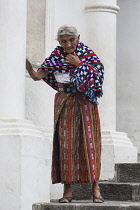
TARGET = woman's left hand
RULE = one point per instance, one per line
(73, 59)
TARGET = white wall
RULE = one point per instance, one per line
(39, 96)
(128, 69)
(36, 29)
(60, 12)
(70, 12)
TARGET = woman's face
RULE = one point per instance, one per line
(68, 43)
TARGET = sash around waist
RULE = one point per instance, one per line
(66, 87)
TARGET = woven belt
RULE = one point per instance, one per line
(67, 88)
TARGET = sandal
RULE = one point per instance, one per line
(65, 200)
(101, 200)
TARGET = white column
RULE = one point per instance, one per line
(101, 37)
(24, 150)
(12, 58)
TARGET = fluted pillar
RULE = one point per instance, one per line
(24, 151)
(101, 37)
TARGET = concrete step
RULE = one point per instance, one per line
(81, 191)
(138, 158)
(88, 205)
(109, 190)
(120, 191)
(128, 172)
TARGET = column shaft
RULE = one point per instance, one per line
(101, 36)
(25, 159)
(12, 58)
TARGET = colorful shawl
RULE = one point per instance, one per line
(87, 77)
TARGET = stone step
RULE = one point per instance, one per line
(138, 158)
(88, 205)
(128, 172)
(120, 191)
(109, 190)
(81, 191)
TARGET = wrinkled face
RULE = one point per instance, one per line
(68, 43)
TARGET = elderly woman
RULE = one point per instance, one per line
(76, 72)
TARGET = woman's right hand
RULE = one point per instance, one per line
(35, 75)
(30, 70)
(28, 65)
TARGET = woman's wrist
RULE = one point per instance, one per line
(30, 70)
(79, 64)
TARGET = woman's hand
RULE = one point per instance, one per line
(28, 65)
(30, 70)
(35, 75)
(73, 59)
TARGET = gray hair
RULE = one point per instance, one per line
(67, 30)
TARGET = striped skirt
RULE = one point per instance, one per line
(77, 141)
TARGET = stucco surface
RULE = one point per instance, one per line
(128, 66)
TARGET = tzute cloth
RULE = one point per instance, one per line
(87, 77)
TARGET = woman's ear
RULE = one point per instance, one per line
(78, 37)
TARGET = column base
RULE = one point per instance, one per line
(25, 165)
(116, 148)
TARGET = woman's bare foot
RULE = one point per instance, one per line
(97, 198)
